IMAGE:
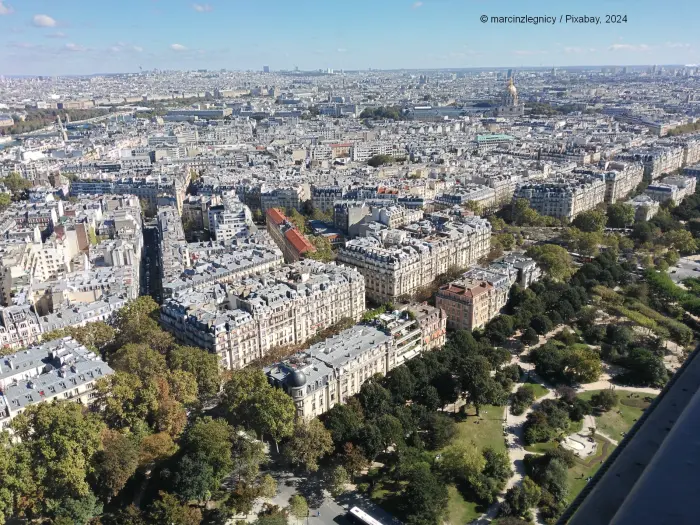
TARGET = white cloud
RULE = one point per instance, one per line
(138, 49)
(579, 50)
(43, 21)
(675, 45)
(416, 5)
(75, 47)
(629, 47)
(5, 9)
(178, 47)
(202, 8)
(21, 45)
(526, 52)
(57, 34)
(341, 50)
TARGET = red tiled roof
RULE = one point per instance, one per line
(276, 216)
(301, 244)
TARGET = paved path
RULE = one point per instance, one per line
(514, 424)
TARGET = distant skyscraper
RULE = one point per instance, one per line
(266, 69)
(510, 74)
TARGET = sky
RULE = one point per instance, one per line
(55, 37)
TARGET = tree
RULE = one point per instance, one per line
(137, 322)
(553, 259)
(5, 201)
(202, 365)
(497, 464)
(391, 429)
(169, 510)
(194, 478)
(61, 442)
(96, 336)
(541, 324)
(521, 498)
(345, 421)
(310, 441)
(401, 384)
(156, 448)
(298, 506)
(590, 221)
(605, 400)
(374, 398)
(297, 219)
(379, 160)
(461, 461)
(522, 398)
(370, 440)
(324, 250)
(475, 376)
(354, 460)
(211, 440)
(79, 510)
(271, 515)
(583, 365)
(620, 215)
(425, 497)
(680, 240)
(248, 455)
(248, 399)
(338, 481)
(530, 336)
(268, 487)
(441, 429)
(116, 462)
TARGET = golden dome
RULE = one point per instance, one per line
(511, 87)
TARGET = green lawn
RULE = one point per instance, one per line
(488, 432)
(584, 469)
(539, 390)
(459, 510)
(621, 418)
(541, 448)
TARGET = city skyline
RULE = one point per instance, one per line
(40, 38)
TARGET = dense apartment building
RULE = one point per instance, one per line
(657, 161)
(469, 304)
(324, 197)
(481, 293)
(330, 372)
(60, 370)
(620, 179)
(241, 322)
(395, 216)
(287, 237)
(564, 200)
(484, 196)
(644, 207)
(231, 219)
(284, 197)
(396, 264)
(675, 189)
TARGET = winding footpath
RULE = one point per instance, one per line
(514, 425)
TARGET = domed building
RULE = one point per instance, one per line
(510, 107)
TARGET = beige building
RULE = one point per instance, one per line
(563, 199)
(60, 370)
(243, 322)
(396, 264)
(330, 372)
(334, 370)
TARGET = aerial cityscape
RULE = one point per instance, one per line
(302, 274)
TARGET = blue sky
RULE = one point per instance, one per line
(91, 36)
